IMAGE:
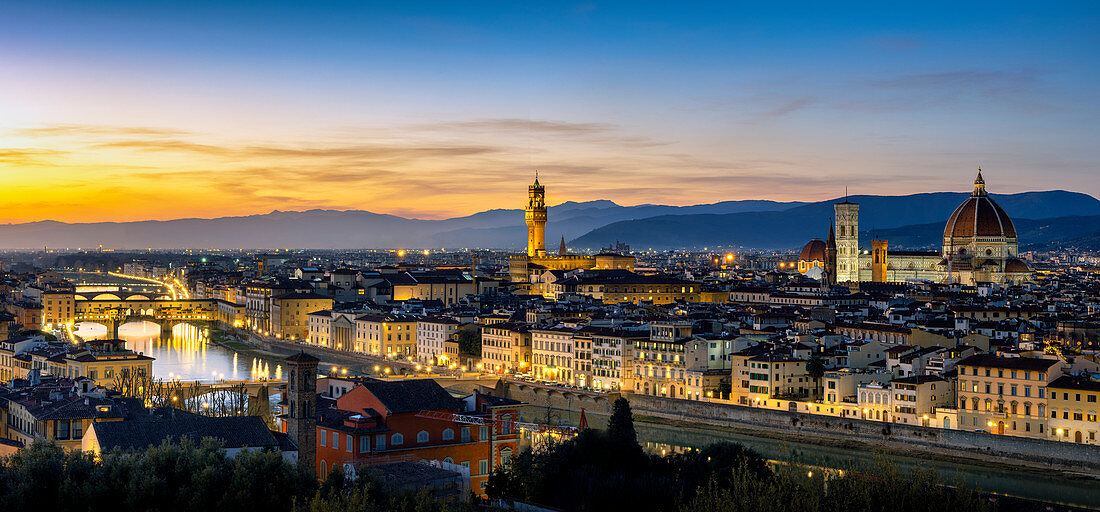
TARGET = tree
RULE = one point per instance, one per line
(816, 368)
(620, 427)
(469, 342)
(723, 390)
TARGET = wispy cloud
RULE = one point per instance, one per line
(68, 130)
(29, 157)
(596, 133)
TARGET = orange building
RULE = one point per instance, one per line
(379, 422)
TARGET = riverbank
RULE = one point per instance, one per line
(232, 342)
(999, 451)
(852, 444)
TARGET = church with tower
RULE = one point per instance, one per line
(979, 246)
(526, 270)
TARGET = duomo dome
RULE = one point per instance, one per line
(978, 217)
(979, 227)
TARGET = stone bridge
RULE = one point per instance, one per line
(120, 295)
(258, 393)
(114, 313)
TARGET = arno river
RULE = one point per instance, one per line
(187, 355)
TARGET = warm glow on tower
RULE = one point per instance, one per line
(536, 219)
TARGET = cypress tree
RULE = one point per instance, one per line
(621, 425)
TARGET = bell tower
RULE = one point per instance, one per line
(301, 397)
(536, 219)
(847, 241)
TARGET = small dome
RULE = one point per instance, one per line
(979, 216)
(1015, 266)
(814, 250)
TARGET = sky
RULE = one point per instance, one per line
(119, 111)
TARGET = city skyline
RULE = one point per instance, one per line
(135, 112)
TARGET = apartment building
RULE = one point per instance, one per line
(290, 314)
(1005, 395)
(613, 356)
(1072, 401)
(926, 400)
(506, 347)
(392, 335)
(660, 361)
(552, 354)
(432, 334)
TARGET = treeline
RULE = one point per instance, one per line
(186, 477)
(609, 471)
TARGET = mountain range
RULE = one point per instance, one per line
(794, 226)
(910, 221)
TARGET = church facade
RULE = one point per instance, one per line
(528, 270)
(979, 245)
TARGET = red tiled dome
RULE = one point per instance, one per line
(1016, 266)
(979, 216)
(814, 250)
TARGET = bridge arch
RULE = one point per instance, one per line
(95, 322)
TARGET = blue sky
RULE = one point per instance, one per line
(439, 109)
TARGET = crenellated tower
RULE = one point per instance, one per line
(536, 219)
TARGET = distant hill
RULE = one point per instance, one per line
(1073, 231)
(908, 221)
(792, 227)
(498, 228)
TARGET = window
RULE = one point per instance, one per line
(422, 436)
(364, 444)
(465, 434)
(380, 442)
(397, 439)
(324, 438)
(448, 434)
(61, 430)
(335, 440)
(348, 444)
(483, 467)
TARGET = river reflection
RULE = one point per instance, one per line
(187, 355)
